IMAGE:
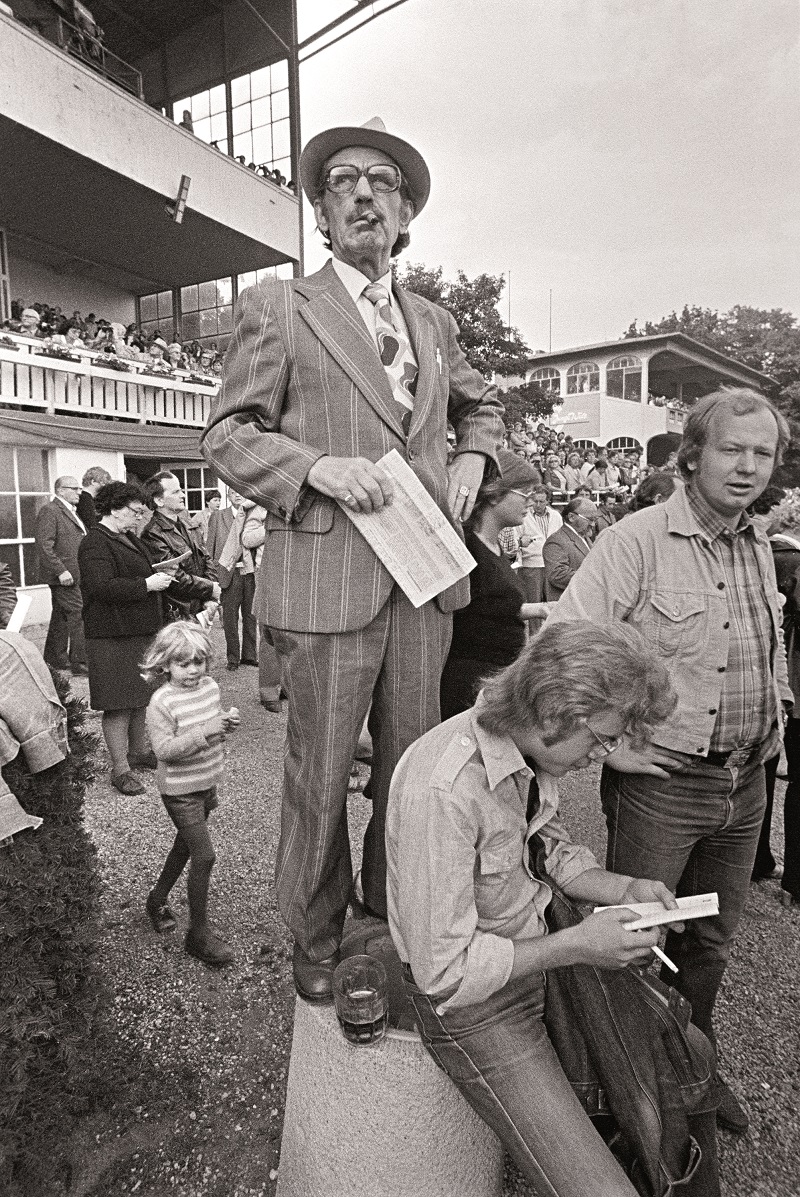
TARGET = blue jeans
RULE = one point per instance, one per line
(697, 832)
(499, 1055)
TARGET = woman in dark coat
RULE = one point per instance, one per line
(122, 611)
(489, 633)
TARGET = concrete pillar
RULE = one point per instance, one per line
(645, 379)
(378, 1121)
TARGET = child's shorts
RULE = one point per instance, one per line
(188, 810)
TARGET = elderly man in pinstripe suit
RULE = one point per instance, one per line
(323, 376)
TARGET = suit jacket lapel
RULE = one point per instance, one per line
(333, 317)
(423, 339)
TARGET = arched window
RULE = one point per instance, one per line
(548, 379)
(583, 377)
(624, 378)
(623, 442)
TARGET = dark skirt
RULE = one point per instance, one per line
(114, 681)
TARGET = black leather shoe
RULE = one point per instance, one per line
(730, 1115)
(247, 661)
(360, 908)
(159, 913)
(313, 979)
(271, 704)
(211, 950)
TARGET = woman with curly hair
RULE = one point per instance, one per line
(122, 611)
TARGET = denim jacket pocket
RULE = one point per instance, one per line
(670, 617)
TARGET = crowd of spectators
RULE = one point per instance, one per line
(64, 333)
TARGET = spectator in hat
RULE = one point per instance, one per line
(324, 375)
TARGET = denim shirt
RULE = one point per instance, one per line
(651, 570)
(459, 888)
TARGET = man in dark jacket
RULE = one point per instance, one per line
(92, 480)
(168, 536)
(59, 532)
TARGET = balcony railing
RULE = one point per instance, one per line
(88, 47)
(31, 379)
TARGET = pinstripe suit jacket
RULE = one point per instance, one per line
(303, 380)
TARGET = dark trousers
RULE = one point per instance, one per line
(765, 861)
(697, 832)
(65, 646)
(238, 597)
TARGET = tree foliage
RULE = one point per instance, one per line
(767, 340)
(529, 399)
(490, 345)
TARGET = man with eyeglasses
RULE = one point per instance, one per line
(323, 377)
(565, 549)
(695, 575)
(59, 531)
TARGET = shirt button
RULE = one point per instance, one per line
(410, 454)
(465, 740)
(720, 585)
(700, 751)
(721, 668)
(726, 625)
(712, 710)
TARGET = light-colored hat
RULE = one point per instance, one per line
(373, 134)
(118, 330)
(31, 312)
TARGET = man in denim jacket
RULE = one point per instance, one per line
(696, 577)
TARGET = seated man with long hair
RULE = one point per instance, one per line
(467, 911)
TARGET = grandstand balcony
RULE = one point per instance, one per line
(95, 168)
(635, 392)
(83, 383)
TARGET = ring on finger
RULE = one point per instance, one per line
(465, 491)
(348, 498)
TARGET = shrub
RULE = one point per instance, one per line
(49, 990)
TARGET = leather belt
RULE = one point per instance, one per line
(736, 757)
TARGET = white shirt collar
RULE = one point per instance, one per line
(72, 512)
(355, 282)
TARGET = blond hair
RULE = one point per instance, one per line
(175, 642)
(571, 671)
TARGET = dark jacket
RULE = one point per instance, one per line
(86, 511)
(562, 554)
(8, 594)
(58, 536)
(116, 601)
(624, 1042)
(194, 582)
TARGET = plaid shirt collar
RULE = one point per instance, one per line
(708, 523)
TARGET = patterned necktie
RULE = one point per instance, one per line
(395, 352)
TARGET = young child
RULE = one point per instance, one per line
(187, 731)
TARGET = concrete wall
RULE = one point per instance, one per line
(34, 282)
(75, 461)
(44, 90)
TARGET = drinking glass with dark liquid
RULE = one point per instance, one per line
(360, 996)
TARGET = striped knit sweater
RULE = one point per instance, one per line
(186, 761)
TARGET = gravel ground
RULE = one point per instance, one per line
(212, 1049)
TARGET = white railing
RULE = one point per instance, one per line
(31, 379)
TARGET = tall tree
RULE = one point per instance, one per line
(489, 344)
(528, 399)
(766, 339)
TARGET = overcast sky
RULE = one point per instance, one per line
(632, 155)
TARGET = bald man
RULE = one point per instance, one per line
(59, 532)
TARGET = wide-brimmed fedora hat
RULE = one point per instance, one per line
(373, 134)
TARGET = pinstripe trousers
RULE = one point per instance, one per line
(390, 668)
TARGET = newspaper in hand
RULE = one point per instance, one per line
(412, 537)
